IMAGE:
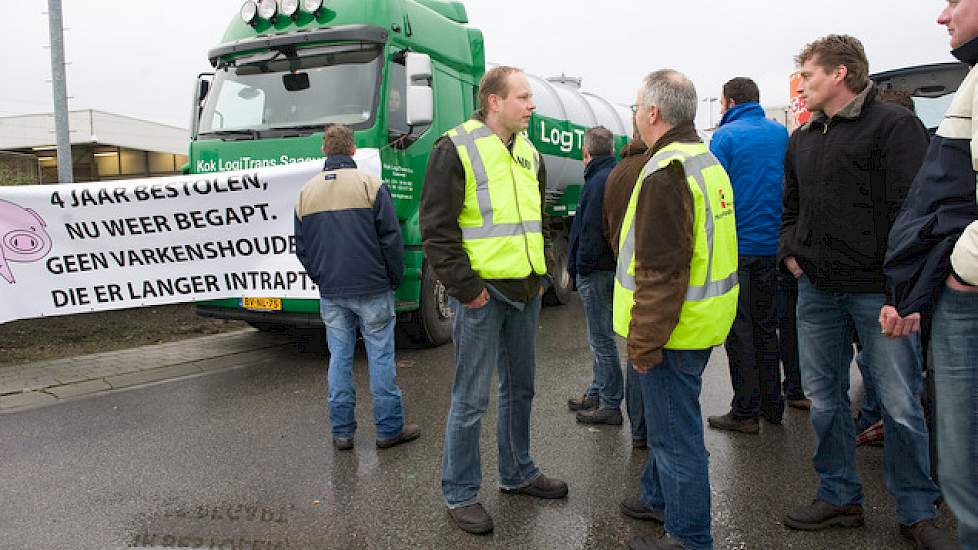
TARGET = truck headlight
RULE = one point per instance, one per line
(249, 10)
(267, 9)
(312, 6)
(288, 7)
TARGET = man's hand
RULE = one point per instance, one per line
(480, 300)
(954, 284)
(792, 264)
(894, 326)
(640, 368)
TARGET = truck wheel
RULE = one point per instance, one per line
(560, 293)
(431, 324)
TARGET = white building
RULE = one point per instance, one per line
(104, 146)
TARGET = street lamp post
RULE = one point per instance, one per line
(709, 103)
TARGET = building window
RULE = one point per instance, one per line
(133, 163)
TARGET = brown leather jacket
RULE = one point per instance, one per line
(663, 244)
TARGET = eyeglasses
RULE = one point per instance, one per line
(634, 108)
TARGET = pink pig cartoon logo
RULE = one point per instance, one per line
(22, 237)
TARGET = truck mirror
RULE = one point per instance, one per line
(200, 92)
(420, 97)
(296, 82)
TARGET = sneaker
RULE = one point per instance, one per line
(583, 403)
(409, 433)
(926, 535)
(541, 487)
(600, 416)
(343, 443)
(634, 508)
(640, 444)
(821, 515)
(732, 423)
(804, 404)
(651, 542)
(472, 519)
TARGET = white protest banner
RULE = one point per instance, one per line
(121, 244)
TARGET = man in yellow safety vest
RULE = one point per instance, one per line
(482, 231)
(675, 298)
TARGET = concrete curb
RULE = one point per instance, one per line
(47, 382)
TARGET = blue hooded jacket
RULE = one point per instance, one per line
(751, 149)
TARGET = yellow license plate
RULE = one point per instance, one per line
(262, 304)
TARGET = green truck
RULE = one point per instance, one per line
(399, 73)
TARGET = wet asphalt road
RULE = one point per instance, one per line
(242, 459)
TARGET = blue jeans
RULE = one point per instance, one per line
(500, 337)
(375, 316)
(597, 293)
(869, 408)
(634, 403)
(825, 324)
(954, 345)
(676, 478)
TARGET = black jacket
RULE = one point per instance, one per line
(588, 250)
(846, 178)
(940, 206)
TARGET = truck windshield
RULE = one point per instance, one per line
(249, 95)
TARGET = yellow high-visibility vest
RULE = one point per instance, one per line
(711, 298)
(501, 218)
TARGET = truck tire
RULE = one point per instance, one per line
(560, 293)
(431, 324)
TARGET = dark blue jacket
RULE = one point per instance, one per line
(347, 233)
(588, 250)
(751, 149)
(940, 205)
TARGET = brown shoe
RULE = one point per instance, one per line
(651, 542)
(409, 433)
(634, 508)
(583, 403)
(472, 519)
(733, 423)
(821, 515)
(343, 443)
(926, 535)
(541, 487)
(804, 404)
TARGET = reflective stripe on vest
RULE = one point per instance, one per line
(710, 305)
(505, 241)
(626, 256)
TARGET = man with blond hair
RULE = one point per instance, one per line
(482, 227)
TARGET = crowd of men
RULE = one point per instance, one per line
(786, 250)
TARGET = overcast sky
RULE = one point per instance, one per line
(140, 57)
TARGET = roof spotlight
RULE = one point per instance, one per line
(288, 7)
(249, 10)
(267, 9)
(312, 6)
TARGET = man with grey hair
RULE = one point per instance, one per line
(675, 298)
(592, 264)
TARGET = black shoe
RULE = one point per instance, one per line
(821, 515)
(803, 403)
(733, 423)
(472, 519)
(640, 444)
(409, 433)
(650, 542)
(600, 416)
(634, 508)
(343, 443)
(583, 403)
(541, 487)
(928, 536)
